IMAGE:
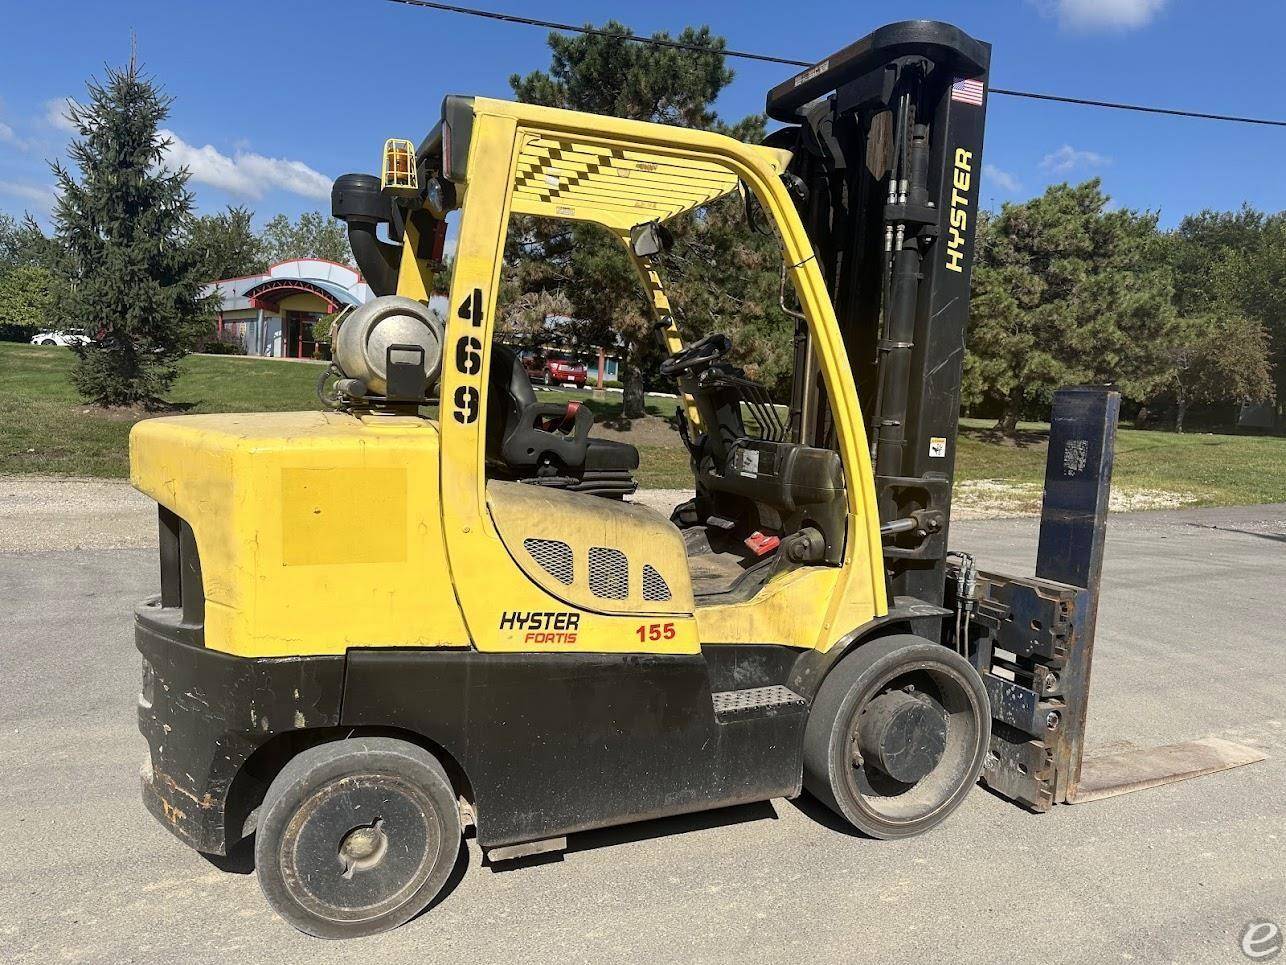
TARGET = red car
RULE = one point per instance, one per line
(555, 371)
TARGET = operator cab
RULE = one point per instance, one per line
(764, 503)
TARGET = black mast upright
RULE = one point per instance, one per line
(888, 143)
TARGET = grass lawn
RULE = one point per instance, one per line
(49, 431)
(1201, 469)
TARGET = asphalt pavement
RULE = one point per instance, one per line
(1191, 643)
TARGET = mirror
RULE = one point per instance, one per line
(647, 240)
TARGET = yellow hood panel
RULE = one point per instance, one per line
(316, 531)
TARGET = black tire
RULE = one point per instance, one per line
(356, 837)
(952, 728)
(47, 341)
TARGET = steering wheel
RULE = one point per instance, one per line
(697, 355)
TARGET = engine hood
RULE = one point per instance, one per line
(316, 531)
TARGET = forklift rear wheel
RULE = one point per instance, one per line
(356, 837)
(897, 736)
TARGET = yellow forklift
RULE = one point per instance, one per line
(431, 606)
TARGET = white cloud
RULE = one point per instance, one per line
(1067, 159)
(1101, 14)
(1001, 179)
(56, 114)
(7, 136)
(42, 196)
(245, 173)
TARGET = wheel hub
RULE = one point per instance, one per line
(902, 733)
(360, 846)
(363, 847)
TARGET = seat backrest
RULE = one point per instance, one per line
(509, 392)
(523, 433)
(510, 378)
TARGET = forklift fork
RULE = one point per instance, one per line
(1035, 637)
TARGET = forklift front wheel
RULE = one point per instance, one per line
(356, 836)
(897, 736)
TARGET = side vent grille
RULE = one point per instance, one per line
(554, 557)
(655, 589)
(609, 573)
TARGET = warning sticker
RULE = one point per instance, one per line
(937, 447)
(1076, 456)
(748, 462)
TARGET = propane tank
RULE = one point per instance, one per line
(361, 342)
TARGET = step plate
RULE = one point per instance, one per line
(756, 702)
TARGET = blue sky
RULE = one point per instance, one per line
(274, 98)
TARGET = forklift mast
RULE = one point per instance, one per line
(887, 138)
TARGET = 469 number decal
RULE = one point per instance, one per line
(468, 360)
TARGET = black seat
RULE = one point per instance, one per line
(548, 443)
(604, 454)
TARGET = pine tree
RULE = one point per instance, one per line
(1065, 291)
(131, 277)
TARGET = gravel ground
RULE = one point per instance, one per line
(661, 500)
(39, 513)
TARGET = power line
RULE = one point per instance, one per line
(597, 32)
(790, 62)
(1173, 112)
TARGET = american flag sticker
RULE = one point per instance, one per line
(967, 92)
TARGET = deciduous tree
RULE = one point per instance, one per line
(582, 266)
(1217, 359)
(226, 244)
(311, 235)
(1233, 264)
(26, 300)
(23, 243)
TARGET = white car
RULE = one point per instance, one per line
(71, 336)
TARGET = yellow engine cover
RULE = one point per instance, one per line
(317, 531)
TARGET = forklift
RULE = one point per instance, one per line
(431, 607)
